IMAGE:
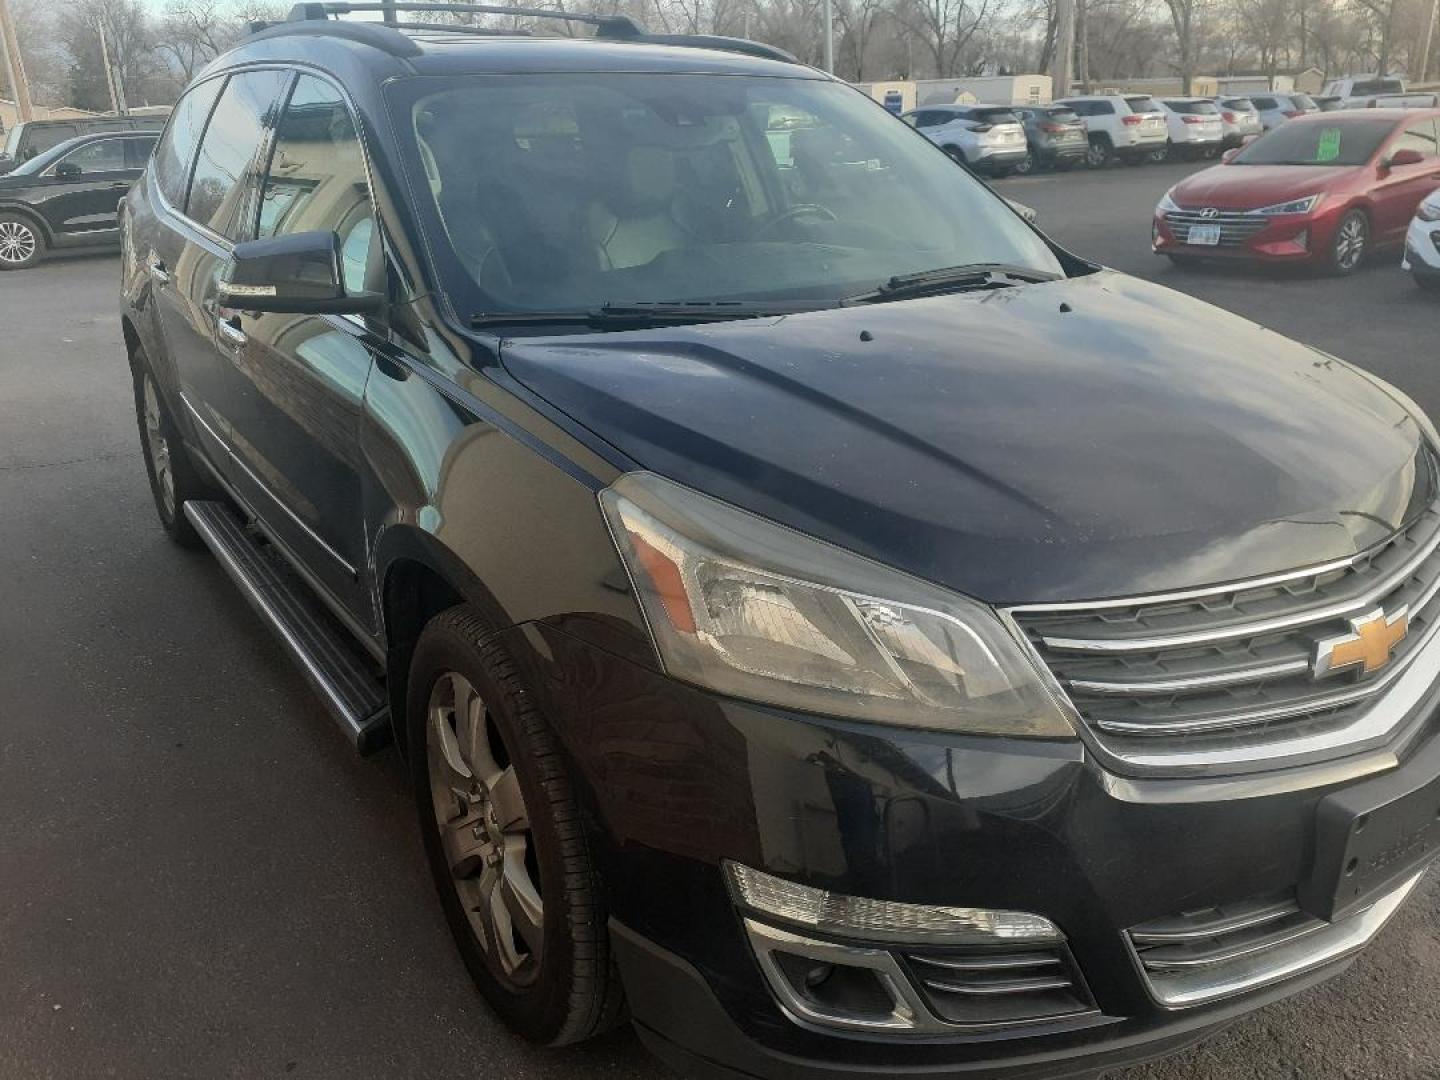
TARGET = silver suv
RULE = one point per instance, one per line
(1130, 127)
(986, 138)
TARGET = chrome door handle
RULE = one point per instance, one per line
(230, 331)
(157, 270)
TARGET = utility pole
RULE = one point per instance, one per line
(1064, 47)
(1429, 40)
(117, 98)
(1082, 31)
(14, 67)
(830, 36)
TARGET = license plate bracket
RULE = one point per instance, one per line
(1203, 235)
(1370, 836)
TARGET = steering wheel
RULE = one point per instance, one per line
(799, 210)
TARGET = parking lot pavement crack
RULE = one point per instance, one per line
(23, 466)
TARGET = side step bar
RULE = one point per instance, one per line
(333, 665)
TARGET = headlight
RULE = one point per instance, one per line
(1167, 204)
(754, 610)
(1294, 206)
(1429, 210)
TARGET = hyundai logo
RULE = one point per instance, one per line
(1209, 212)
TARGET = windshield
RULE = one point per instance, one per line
(573, 191)
(1337, 142)
(1142, 103)
(1193, 108)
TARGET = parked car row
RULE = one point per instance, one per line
(33, 137)
(1098, 129)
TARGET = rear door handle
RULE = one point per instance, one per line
(155, 266)
(230, 332)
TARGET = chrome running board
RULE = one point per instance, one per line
(345, 680)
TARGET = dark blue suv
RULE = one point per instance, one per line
(825, 622)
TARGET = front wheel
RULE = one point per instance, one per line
(1351, 243)
(504, 836)
(22, 244)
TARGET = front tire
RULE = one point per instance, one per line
(1351, 243)
(173, 479)
(504, 836)
(22, 244)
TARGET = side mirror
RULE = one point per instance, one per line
(68, 170)
(296, 274)
(1405, 156)
(1229, 155)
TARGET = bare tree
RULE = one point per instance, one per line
(945, 28)
(1184, 22)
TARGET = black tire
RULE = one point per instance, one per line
(22, 242)
(1101, 152)
(184, 480)
(573, 991)
(1027, 165)
(1350, 244)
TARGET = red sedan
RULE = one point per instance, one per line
(1323, 189)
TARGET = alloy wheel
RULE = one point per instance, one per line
(1026, 165)
(18, 242)
(159, 447)
(1096, 156)
(1350, 241)
(484, 828)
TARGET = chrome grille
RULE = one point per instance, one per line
(1204, 955)
(1235, 226)
(1171, 679)
(1000, 987)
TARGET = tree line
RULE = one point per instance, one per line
(157, 50)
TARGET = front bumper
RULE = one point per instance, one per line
(1422, 248)
(1290, 238)
(679, 780)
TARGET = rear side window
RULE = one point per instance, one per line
(177, 146)
(45, 136)
(137, 152)
(317, 178)
(103, 155)
(229, 145)
(1094, 108)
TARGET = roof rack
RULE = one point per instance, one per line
(607, 27)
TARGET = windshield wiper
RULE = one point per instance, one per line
(951, 279)
(640, 314)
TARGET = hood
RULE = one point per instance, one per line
(1094, 437)
(1248, 187)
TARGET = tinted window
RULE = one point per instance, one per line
(1376, 86)
(44, 136)
(105, 155)
(317, 176)
(994, 116)
(137, 152)
(1142, 103)
(1093, 108)
(1193, 108)
(1265, 103)
(1420, 135)
(228, 147)
(1333, 142)
(1239, 103)
(177, 145)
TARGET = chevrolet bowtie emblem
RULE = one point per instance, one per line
(1372, 639)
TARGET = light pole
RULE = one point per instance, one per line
(14, 66)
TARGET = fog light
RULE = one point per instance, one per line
(881, 920)
(1302, 239)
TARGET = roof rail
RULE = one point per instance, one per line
(607, 27)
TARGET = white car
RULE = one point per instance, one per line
(986, 138)
(1240, 117)
(1422, 244)
(1275, 109)
(1349, 88)
(1195, 126)
(1128, 126)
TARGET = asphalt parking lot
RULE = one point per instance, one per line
(199, 879)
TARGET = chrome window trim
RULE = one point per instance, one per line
(229, 451)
